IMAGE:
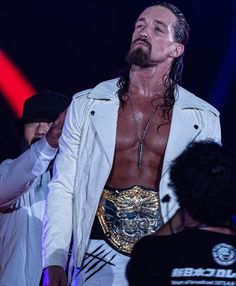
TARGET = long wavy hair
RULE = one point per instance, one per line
(181, 35)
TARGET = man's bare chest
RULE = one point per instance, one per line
(146, 126)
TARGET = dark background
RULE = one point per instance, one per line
(68, 46)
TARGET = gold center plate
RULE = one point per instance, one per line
(127, 215)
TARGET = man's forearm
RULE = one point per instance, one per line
(16, 175)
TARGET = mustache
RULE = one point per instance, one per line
(35, 139)
(24, 145)
(144, 40)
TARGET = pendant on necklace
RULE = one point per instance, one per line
(140, 154)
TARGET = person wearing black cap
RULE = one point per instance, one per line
(23, 184)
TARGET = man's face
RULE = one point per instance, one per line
(33, 131)
(153, 37)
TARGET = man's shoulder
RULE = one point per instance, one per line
(103, 90)
(187, 99)
(5, 163)
(83, 93)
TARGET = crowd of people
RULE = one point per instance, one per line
(126, 183)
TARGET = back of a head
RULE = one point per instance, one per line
(204, 179)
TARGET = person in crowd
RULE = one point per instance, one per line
(23, 188)
(111, 173)
(203, 249)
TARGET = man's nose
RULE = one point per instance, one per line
(145, 32)
(42, 129)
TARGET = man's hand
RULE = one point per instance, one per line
(55, 130)
(54, 276)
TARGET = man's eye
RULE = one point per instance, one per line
(32, 124)
(140, 26)
(158, 29)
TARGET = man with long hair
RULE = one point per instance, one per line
(112, 168)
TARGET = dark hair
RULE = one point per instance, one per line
(181, 34)
(42, 106)
(204, 180)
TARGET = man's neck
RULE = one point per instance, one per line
(191, 222)
(148, 82)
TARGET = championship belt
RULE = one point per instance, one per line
(126, 215)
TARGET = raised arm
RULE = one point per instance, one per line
(16, 175)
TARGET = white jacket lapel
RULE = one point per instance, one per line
(185, 128)
(104, 119)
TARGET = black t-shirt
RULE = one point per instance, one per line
(190, 257)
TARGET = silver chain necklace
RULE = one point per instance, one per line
(141, 139)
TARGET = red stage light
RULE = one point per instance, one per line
(13, 85)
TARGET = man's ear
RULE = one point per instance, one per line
(177, 50)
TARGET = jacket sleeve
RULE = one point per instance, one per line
(57, 228)
(16, 175)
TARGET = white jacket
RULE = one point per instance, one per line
(86, 156)
(23, 185)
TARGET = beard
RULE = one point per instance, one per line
(140, 57)
(35, 139)
(24, 145)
